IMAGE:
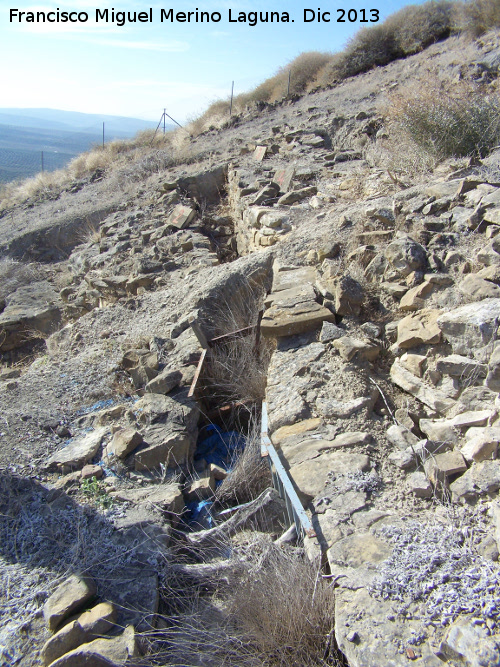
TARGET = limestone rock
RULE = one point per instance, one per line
(405, 255)
(124, 442)
(482, 447)
(331, 407)
(298, 428)
(493, 377)
(288, 319)
(310, 476)
(430, 396)
(350, 347)
(295, 196)
(461, 367)
(470, 643)
(70, 596)
(164, 497)
(419, 485)
(115, 651)
(419, 329)
(471, 327)
(401, 437)
(79, 451)
(33, 308)
(330, 331)
(477, 288)
(414, 299)
(442, 466)
(86, 627)
(164, 382)
(348, 296)
(480, 479)
(166, 448)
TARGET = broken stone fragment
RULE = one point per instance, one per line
(410, 383)
(169, 449)
(406, 255)
(349, 348)
(482, 447)
(70, 596)
(181, 216)
(295, 196)
(480, 479)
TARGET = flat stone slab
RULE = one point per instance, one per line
(297, 319)
(310, 476)
(293, 278)
(79, 451)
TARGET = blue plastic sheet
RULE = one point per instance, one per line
(219, 447)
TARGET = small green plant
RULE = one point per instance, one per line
(96, 492)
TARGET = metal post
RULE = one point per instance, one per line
(289, 78)
(164, 119)
(103, 134)
(231, 105)
(42, 162)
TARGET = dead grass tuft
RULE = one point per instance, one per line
(249, 475)
(434, 122)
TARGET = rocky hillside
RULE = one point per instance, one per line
(147, 311)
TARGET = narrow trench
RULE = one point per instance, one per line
(277, 580)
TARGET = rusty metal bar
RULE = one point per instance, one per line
(197, 374)
(282, 482)
(233, 334)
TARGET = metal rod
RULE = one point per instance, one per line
(42, 162)
(284, 486)
(289, 78)
(103, 134)
(231, 105)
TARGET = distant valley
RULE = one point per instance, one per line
(60, 135)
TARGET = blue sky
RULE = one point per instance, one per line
(140, 68)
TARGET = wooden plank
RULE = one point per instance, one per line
(199, 334)
(197, 374)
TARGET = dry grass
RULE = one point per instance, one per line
(430, 122)
(278, 612)
(249, 475)
(236, 369)
(479, 16)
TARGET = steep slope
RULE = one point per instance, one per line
(381, 304)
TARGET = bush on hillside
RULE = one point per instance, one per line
(444, 123)
(479, 16)
(404, 33)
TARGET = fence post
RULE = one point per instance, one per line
(103, 134)
(42, 162)
(289, 78)
(231, 105)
